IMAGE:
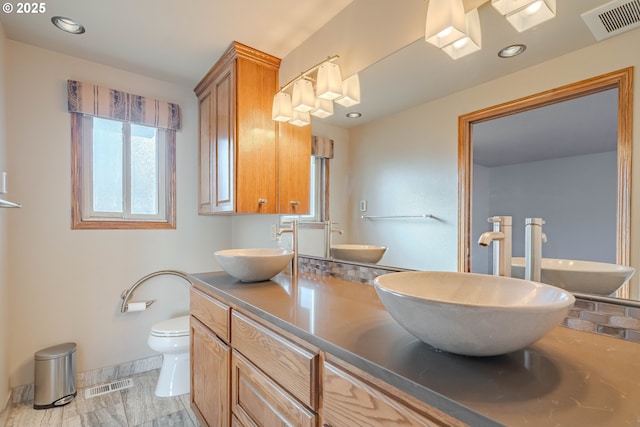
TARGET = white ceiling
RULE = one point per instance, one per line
(172, 40)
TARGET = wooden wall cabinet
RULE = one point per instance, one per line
(295, 158)
(238, 144)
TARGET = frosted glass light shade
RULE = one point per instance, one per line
(281, 110)
(350, 91)
(471, 42)
(329, 82)
(324, 108)
(445, 22)
(303, 99)
(300, 118)
(506, 7)
(535, 13)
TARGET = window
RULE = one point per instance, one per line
(123, 174)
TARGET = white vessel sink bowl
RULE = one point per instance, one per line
(253, 265)
(472, 314)
(579, 276)
(358, 253)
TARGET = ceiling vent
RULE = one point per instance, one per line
(613, 18)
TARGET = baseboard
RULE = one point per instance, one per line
(25, 393)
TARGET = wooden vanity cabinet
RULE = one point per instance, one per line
(238, 146)
(210, 360)
(350, 400)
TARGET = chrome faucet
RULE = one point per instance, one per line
(534, 238)
(293, 229)
(501, 237)
(328, 232)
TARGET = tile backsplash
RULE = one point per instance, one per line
(609, 318)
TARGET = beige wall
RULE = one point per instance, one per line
(4, 282)
(66, 285)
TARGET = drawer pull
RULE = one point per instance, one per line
(294, 203)
(262, 201)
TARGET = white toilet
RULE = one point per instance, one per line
(171, 338)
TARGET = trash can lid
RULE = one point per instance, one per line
(56, 351)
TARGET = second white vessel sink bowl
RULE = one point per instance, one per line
(358, 253)
(253, 265)
(472, 314)
(579, 276)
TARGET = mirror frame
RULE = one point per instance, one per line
(623, 81)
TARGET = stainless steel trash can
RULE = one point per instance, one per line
(55, 376)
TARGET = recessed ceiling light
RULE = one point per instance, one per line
(354, 115)
(511, 51)
(67, 24)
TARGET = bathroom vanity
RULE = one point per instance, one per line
(318, 351)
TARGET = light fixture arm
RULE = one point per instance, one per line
(305, 74)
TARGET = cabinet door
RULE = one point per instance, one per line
(210, 384)
(256, 400)
(224, 134)
(348, 401)
(207, 159)
(294, 150)
(256, 155)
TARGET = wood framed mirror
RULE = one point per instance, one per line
(622, 80)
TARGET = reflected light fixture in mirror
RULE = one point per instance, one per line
(304, 100)
(524, 14)
(472, 40)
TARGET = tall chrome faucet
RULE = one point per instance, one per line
(534, 238)
(293, 229)
(501, 237)
(328, 232)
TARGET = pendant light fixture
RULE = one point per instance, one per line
(302, 103)
(350, 91)
(282, 111)
(300, 118)
(324, 108)
(472, 39)
(329, 83)
(303, 99)
(525, 14)
(445, 22)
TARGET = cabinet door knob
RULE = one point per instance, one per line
(262, 201)
(294, 202)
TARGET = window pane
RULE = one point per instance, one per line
(107, 165)
(144, 170)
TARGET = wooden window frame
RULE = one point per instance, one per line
(77, 179)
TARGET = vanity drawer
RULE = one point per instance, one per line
(258, 400)
(291, 366)
(213, 313)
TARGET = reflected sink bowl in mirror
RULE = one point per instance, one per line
(358, 253)
(579, 276)
(253, 265)
(472, 314)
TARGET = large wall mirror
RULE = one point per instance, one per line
(563, 155)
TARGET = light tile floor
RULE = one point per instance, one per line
(133, 407)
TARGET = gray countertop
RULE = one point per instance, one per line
(568, 378)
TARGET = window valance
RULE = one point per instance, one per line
(99, 101)
(322, 147)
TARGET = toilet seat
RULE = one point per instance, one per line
(176, 327)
